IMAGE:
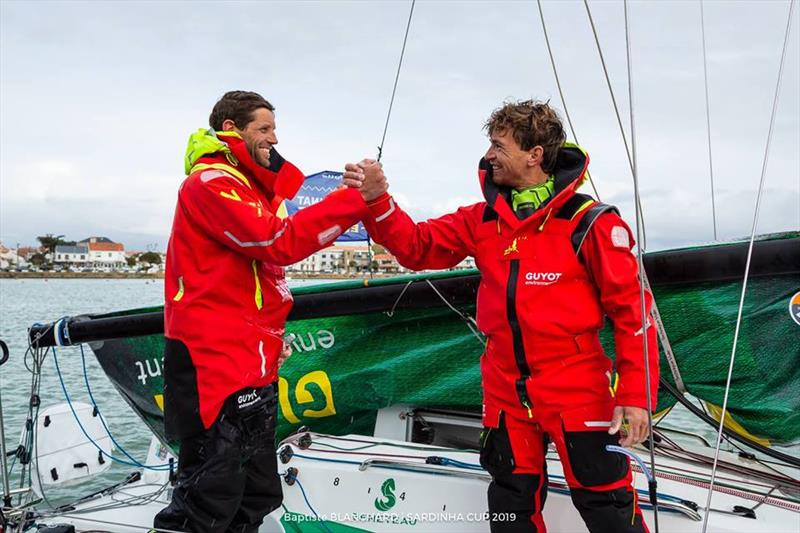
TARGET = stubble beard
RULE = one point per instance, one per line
(255, 154)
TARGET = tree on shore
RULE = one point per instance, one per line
(150, 257)
(38, 259)
(50, 241)
(131, 260)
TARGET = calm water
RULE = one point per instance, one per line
(25, 302)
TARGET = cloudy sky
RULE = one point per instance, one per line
(97, 100)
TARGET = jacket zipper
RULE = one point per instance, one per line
(516, 335)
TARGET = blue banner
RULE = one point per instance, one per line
(315, 188)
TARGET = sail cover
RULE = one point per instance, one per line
(360, 347)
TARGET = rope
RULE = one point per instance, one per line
(560, 91)
(747, 264)
(471, 324)
(86, 434)
(308, 503)
(396, 79)
(708, 121)
(640, 260)
(112, 523)
(161, 467)
(643, 242)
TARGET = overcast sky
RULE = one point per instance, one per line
(98, 99)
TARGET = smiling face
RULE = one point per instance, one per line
(511, 165)
(259, 135)
(525, 139)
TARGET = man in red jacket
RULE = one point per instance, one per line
(553, 263)
(226, 306)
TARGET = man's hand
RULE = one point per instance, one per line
(366, 176)
(286, 352)
(636, 419)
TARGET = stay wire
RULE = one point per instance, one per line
(652, 482)
(161, 467)
(708, 121)
(747, 264)
(561, 92)
(396, 79)
(643, 242)
(86, 434)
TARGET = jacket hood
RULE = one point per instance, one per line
(281, 179)
(569, 174)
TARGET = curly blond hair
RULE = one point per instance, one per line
(531, 123)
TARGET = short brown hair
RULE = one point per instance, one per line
(237, 106)
(532, 123)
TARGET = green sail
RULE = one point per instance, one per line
(347, 366)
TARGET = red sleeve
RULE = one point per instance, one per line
(436, 243)
(232, 214)
(607, 254)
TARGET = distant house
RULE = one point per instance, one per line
(69, 255)
(103, 252)
(339, 259)
(15, 257)
(326, 260)
(387, 263)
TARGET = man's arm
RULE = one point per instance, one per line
(607, 255)
(233, 215)
(436, 244)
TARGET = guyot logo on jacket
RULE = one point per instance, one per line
(541, 278)
(388, 500)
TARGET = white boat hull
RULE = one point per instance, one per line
(346, 485)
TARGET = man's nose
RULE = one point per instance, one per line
(273, 139)
(489, 154)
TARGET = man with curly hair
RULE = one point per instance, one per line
(553, 264)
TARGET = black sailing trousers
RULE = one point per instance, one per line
(228, 475)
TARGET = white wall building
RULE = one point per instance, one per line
(77, 255)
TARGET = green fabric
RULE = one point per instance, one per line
(357, 364)
(532, 197)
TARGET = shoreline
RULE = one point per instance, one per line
(160, 275)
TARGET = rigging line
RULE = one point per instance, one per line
(71, 514)
(747, 264)
(471, 323)
(561, 92)
(708, 121)
(643, 242)
(652, 483)
(396, 79)
(782, 457)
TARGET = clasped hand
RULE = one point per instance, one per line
(367, 176)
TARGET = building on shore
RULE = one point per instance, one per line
(337, 259)
(72, 255)
(105, 253)
(95, 253)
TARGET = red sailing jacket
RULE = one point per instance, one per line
(546, 284)
(226, 296)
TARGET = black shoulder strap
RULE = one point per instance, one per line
(573, 205)
(588, 216)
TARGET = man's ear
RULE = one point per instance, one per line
(535, 156)
(228, 125)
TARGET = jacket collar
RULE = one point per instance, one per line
(569, 174)
(282, 179)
